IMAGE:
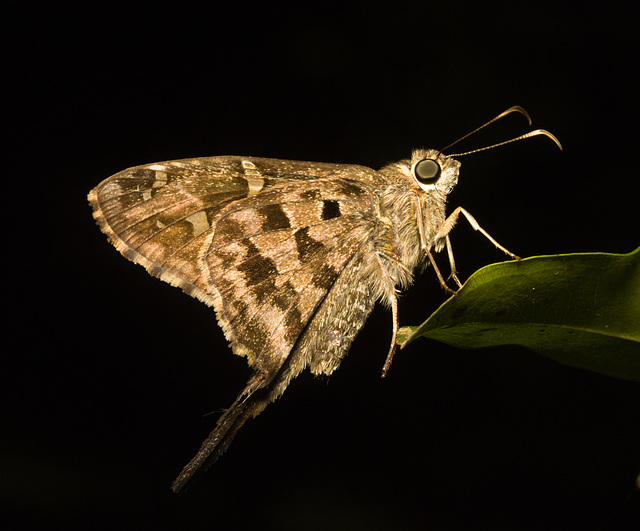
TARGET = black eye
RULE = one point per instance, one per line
(427, 171)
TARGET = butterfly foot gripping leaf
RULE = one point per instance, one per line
(291, 255)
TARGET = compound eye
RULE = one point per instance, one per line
(427, 171)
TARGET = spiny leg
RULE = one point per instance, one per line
(394, 336)
(453, 218)
(393, 299)
(452, 262)
(439, 274)
(426, 248)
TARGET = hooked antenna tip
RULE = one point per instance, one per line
(516, 108)
(546, 133)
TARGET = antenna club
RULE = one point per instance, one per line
(515, 108)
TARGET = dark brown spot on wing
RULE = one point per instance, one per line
(256, 268)
(286, 296)
(294, 325)
(324, 277)
(307, 246)
(350, 189)
(330, 209)
(230, 229)
(273, 218)
(265, 290)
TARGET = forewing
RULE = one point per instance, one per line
(261, 240)
(159, 215)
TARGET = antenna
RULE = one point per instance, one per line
(515, 108)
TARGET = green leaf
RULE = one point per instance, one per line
(582, 310)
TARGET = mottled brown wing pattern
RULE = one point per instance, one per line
(283, 250)
(273, 257)
(260, 240)
(159, 215)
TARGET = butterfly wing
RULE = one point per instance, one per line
(274, 257)
(282, 250)
(260, 240)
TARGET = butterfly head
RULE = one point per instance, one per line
(431, 170)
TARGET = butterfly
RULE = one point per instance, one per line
(291, 255)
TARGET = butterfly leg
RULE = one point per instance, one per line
(452, 262)
(453, 218)
(441, 279)
(417, 205)
(394, 336)
(393, 301)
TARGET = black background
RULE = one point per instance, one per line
(110, 371)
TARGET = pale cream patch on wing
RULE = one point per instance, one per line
(161, 180)
(199, 222)
(253, 176)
